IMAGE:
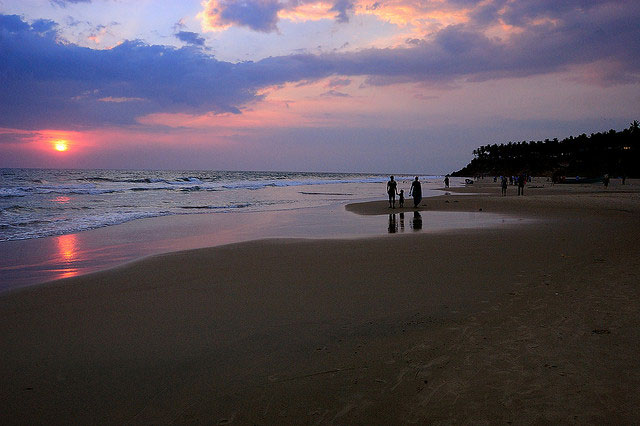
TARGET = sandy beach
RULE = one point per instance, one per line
(531, 323)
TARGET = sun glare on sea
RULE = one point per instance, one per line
(61, 145)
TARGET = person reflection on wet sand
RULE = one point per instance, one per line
(417, 221)
(401, 222)
(393, 226)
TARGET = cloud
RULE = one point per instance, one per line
(263, 15)
(63, 3)
(190, 38)
(258, 15)
(119, 100)
(339, 82)
(44, 26)
(51, 84)
(15, 24)
(47, 83)
(16, 136)
(335, 94)
(341, 7)
(419, 15)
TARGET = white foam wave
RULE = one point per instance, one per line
(44, 228)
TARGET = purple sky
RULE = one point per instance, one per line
(377, 86)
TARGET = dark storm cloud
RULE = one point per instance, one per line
(47, 83)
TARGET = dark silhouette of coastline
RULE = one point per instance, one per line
(616, 153)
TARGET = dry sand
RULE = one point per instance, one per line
(531, 324)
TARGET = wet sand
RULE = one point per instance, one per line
(525, 324)
(30, 262)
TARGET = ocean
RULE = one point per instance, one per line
(37, 203)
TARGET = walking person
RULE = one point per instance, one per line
(416, 192)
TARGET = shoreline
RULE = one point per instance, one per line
(35, 261)
(523, 324)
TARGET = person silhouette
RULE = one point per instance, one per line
(521, 181)
(401, 198)
(416, 192)
(393, 225)
(417, 221)
(446, 181)
(392, 187)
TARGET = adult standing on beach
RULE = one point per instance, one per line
(521, 180)
(446, 181)
(416, 192)
(503, 184)
(392, 186)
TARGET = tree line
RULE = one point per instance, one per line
(616, 153)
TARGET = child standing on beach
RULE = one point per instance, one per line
(401, 198)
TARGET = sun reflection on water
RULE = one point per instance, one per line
(68, 254)
(62, 200)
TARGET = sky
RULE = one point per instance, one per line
(404, 86)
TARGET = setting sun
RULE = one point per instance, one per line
(61, 145)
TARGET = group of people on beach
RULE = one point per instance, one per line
(511, 180)
(415, 191)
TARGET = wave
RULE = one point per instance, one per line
(97, 179)
(37, 228)
(13, 208)
(191, 188)
(177, 181)
(12, 192)
(142, 194)
(26, 223)
(104, 185)
(96, 185)
(325, 193)
(185, 184)
(253, 185)
(23, 191)
(234, 206)
(146, 189)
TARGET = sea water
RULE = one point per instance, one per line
(46, 202)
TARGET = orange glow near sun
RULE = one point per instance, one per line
(61, 145)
